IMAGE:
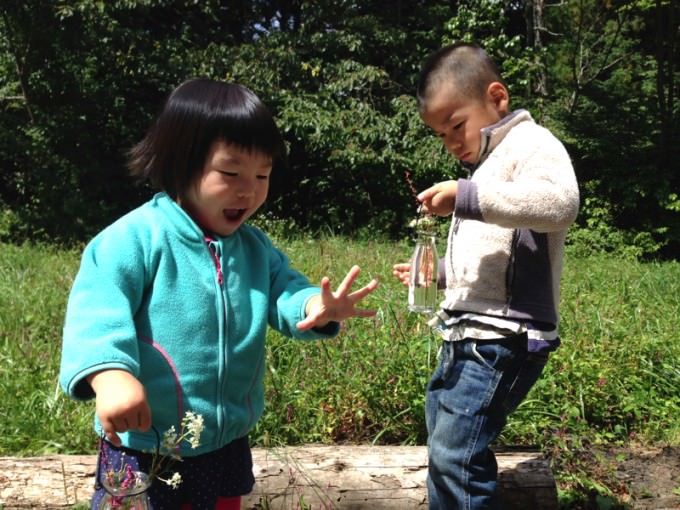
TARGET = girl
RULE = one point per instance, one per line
(169, 309)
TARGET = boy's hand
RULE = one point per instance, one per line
(439, 199)
(121, 403)
(336, 306)
(403, 272)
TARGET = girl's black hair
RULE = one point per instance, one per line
(196, 114)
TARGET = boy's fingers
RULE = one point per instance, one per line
(426, 194)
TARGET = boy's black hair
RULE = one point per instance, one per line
(196, 114)
(466, 65)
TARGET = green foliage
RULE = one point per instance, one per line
(485, 22)
(614, 379)
(111, 64)
(606, 72)
(598, 235)
(616, 375)
(38, 418)
(80, 81)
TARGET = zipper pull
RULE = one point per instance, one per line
(216, 259)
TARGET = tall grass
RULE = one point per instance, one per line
(615, 377)
(34, 283)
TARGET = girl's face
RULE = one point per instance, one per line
(458, 120)
(233, 185)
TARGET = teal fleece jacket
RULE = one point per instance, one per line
(186, 317)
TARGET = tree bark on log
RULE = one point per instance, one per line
(318, 477)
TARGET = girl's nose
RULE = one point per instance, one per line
(245, 193)
(246, 187)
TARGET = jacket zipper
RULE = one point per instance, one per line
(510, 276)
(212, 248)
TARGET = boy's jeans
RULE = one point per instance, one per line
(477, 384)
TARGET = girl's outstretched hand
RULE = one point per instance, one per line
(339, 305)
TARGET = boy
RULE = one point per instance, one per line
(503, 262)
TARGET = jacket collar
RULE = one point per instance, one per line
(181, 221)
(493, 134)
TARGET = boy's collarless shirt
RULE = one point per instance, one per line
(506, 242)
(187, 318)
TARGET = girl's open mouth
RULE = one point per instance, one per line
(234, 214)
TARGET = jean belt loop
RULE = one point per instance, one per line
(449, 358)
(475, 352)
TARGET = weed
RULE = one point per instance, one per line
(614, 378)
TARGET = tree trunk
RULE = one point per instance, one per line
(328, 477)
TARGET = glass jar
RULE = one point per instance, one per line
(424, 272)
(127, 494)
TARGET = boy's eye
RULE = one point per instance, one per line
(457, 126)
(263, 177)
(229, 174)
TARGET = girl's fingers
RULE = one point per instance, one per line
(362, 312)
(348, 281)
(358, 295)
(109, 429)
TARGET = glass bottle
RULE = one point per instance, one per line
(126, 496)
(424, 272)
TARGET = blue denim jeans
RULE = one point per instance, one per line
(477, 384)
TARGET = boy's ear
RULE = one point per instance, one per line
(498, 94)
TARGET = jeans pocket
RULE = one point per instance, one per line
(526, 377)
(498, 355)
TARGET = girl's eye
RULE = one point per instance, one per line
(457, 126)
(229, 174)
(263, 177)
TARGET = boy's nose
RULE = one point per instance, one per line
(452, 147)
(451, 143)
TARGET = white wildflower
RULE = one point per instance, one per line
(169, 439)
(194, 427)
(174, 481)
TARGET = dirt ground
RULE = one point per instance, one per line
(644, 478)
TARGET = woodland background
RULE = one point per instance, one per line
(81, 80)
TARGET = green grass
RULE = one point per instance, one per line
(615, 378)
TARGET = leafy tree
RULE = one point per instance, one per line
(95, 72)
(80, 81)
(607, 107)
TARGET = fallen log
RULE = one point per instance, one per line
(324, 477)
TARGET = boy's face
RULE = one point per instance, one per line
(457, 119)
(233, 185)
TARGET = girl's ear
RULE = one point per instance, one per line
(498, 95)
